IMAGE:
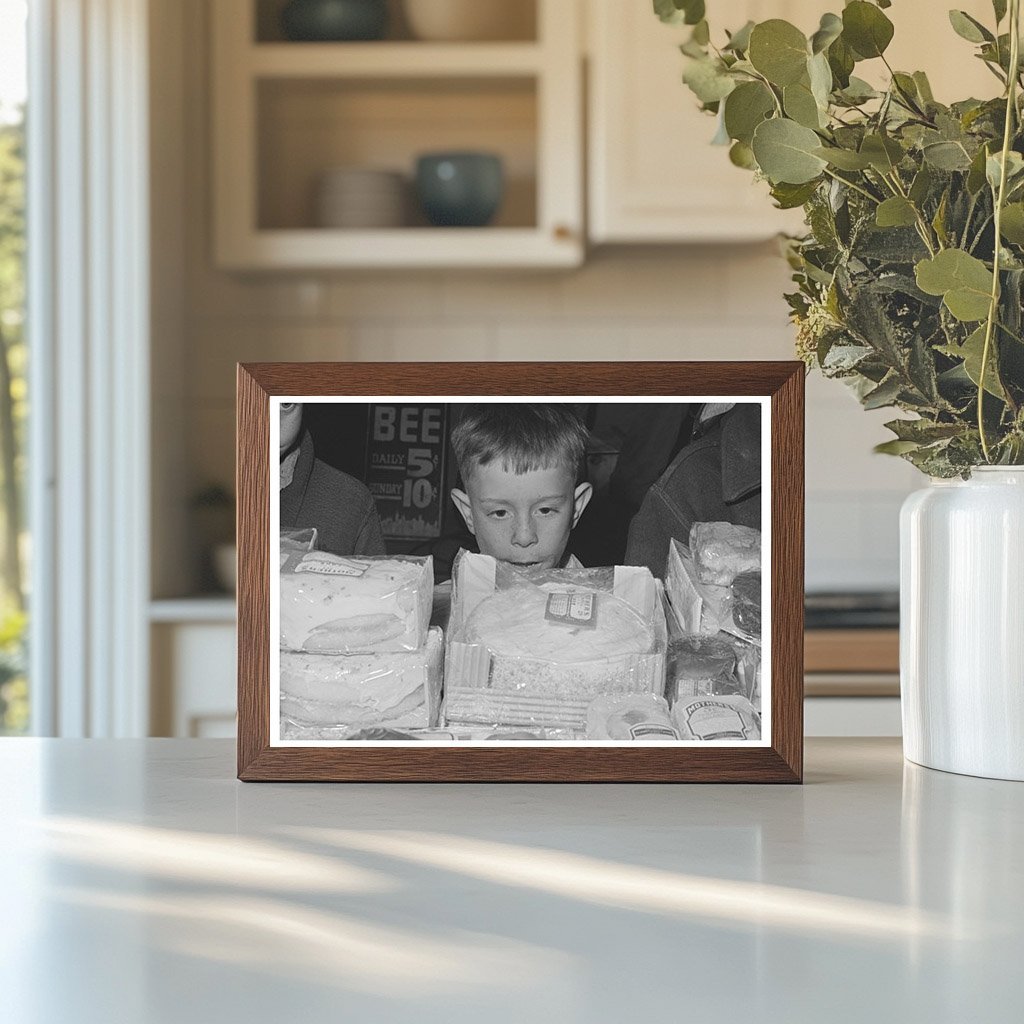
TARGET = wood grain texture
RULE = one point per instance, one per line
(782, 762)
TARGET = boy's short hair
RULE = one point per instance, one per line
(524, 436)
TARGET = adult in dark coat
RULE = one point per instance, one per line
(314, 493)
(714, 479)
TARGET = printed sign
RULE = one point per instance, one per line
(405, 468)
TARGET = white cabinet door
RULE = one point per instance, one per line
(653, 174)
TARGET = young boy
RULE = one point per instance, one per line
(521, 465)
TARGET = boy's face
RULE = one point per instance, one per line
(524, 518)
(291, 421)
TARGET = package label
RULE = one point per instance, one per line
(572, 608)
(333, 567)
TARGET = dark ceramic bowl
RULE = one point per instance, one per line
(334, 20)
(460, 189)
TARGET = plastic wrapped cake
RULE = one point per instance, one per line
(335, 605)
(326, 696)
(534, 647)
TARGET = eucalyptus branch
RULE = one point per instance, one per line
(1000, 198)
(853, 185)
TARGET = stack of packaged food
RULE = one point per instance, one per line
(713, 672)
(550, 653)
(357, 650)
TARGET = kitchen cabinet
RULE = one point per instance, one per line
(286, 113)
(192, 651)
(653, 175)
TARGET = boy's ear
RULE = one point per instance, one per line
(461, 499)
(581, 499)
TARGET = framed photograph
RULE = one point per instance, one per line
(516, 572)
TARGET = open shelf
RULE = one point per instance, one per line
(287, 113)
(308, 127)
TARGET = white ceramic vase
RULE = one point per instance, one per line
(962, 624)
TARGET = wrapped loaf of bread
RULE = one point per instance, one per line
(716, 718)
(335, 605)
(333, 696)
(630, 716)
(721, 551)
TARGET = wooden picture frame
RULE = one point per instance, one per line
(779, 759)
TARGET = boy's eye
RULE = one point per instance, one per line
(547, 510)
(498, 513)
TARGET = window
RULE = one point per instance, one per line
(14, 548)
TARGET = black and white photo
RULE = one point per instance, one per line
(520, 571)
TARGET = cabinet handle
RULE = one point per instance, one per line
(563, 232)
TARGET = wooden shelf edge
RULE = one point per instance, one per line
(852, 650)
(392, 60)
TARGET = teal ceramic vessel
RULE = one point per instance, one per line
(334, 21)
(460, 189)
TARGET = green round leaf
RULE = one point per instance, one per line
(785, 152)
(844, 159)
(708, 81)
(968, 28)
(674, 12)
(882, 152)
(743, 156)
(1012, 223)
(961, 279)
(895, 212)
(740, 39)
(866, 29)
(801, 106)
(947, 156)
(746, 107)
(820, 75)
(830, 29)
(779, 51)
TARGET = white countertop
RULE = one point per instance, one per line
(143, 884)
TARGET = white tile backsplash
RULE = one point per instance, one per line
(718, 302)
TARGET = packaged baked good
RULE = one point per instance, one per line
(337, 695)
(697, 607)
(721, 551)
(716, 718)
(745, 606)
(335, 605)
(630, 716)
(531, 647)
(698, 665)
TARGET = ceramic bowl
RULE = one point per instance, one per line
(334, 20)
(358, 197)
(460, 189)
(470, 20)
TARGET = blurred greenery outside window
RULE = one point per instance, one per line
(14, 547)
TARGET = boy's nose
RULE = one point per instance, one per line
(524, 535)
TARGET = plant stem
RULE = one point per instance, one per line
(993, 309)
(855, 187)
(922, 225)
